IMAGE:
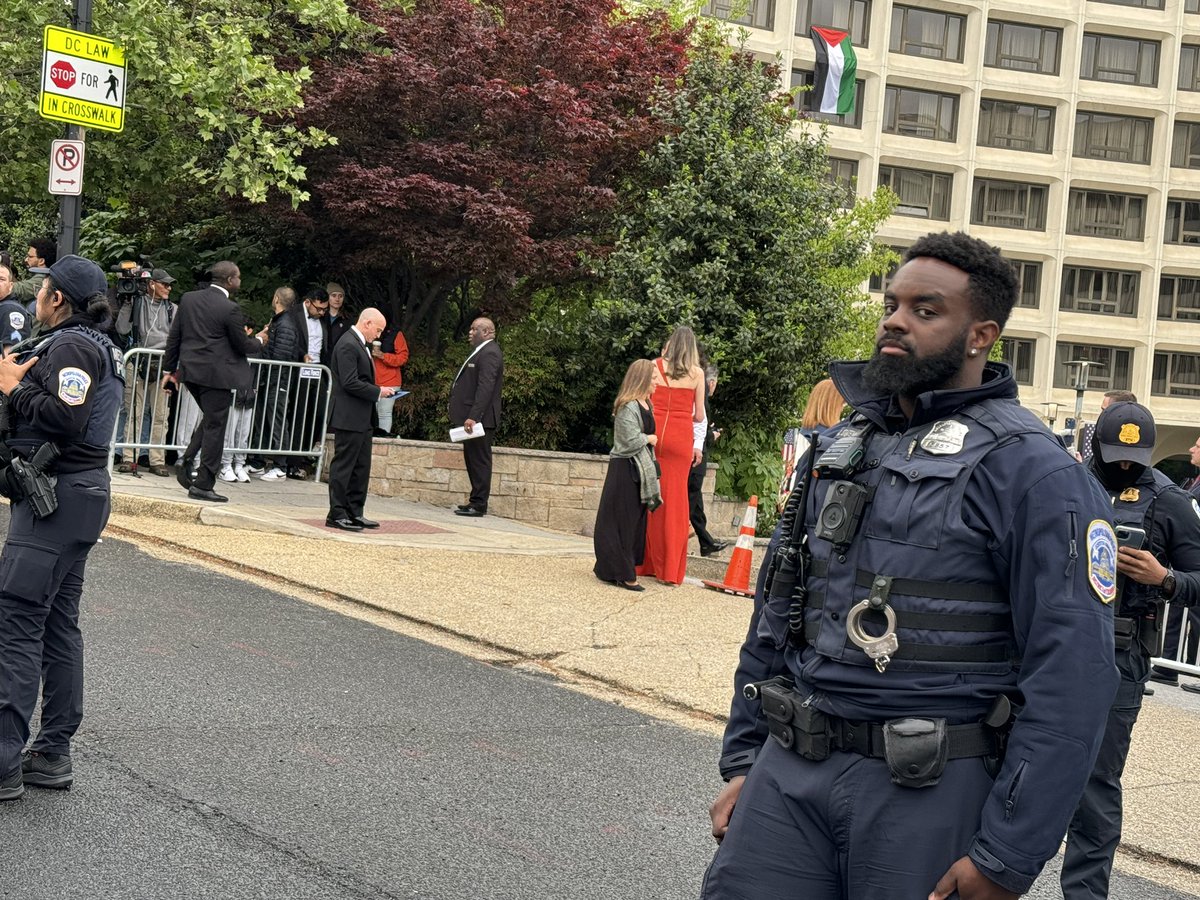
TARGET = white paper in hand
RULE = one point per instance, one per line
(460, 434)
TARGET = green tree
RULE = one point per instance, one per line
(733, 227)
(213, 90)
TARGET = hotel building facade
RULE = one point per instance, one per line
(1066, 133)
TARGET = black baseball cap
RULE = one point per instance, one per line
(162, 276)
(1125, 433)
(79, 279)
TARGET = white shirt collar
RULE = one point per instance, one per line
(354, 328)
(221, 289)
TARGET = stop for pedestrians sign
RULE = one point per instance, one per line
(66, 168)
(83, 80)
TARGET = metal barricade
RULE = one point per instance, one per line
(284, 414)
(1181, 632)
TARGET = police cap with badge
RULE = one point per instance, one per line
(1125, 432)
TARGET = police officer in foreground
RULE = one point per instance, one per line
(62, 400)
(1158, 560)
(927, 673)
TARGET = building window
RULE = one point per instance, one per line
(1183, 222)
(1104, 291)
(1185, 148)
(927, 33)
(1027, 48)
(1029, 281)
(843, 172)
(1016, 126)
(807, 100)
(879, 283)
(1179, 298)
(1008, 204)
(1124, 60)
(1189, 67)
(1191, 6)
(1118, 138)
(923, 114)
(1144, 4)
(1106, 214)
(852, 16)
(1111, 372)
(1018, 353)
(1175, 375)
(758, 14)
(925, 195)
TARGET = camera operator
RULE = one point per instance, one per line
(144, 321)
(62, 401)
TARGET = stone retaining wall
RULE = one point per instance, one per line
(554, 490)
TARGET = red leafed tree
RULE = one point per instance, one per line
(482, 142)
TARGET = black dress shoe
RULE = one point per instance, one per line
(463, 506)
(365, 523)
(714, 548)
(210, 495)
(343, 524)
(470, 512)
(183, 473)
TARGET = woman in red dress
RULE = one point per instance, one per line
(678, 404)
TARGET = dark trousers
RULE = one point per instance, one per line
(1096, 826)
(41, 580)
(477, 453)
(696, 505)
(840, 830)
(208, 438)
(349, 473)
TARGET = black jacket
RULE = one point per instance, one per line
(354, 390)
(207, 345)
(476, 391)
(287, 337)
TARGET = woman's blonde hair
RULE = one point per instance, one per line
(824, 406)
(681, 352)
(636, 383)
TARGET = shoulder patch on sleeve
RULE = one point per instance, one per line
(1102, 560)
(73, 385)
(1196, 507)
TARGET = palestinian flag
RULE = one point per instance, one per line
(833, 80)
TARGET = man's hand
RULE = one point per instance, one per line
(170, 381)
(970, 883)
(470, 426)
(697, 457)
(11, 371)
(722, 807)
(652, 439)
(1140, 565)
(385, 392)
(262, 337)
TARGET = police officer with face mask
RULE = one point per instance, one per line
(929, 662)
(62, 398)
(1158, 532)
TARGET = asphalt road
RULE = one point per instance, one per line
(242, 744)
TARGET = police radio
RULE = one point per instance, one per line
(844, 455)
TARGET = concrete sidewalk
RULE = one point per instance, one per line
(521, 595)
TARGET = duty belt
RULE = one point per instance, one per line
(1142, 629)
(916, 749)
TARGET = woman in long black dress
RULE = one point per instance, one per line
(631, 486)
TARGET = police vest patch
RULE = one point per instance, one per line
(73, 386)
(1102, 560)
(1196, 507)
(944, 438)
(16, 321)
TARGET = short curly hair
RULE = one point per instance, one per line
(992, 279)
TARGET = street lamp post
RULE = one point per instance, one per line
(1080, 382)
(1051, 413)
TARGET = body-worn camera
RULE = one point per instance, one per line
(842, 512)
(844, 455)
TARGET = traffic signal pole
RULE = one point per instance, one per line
(70, 208)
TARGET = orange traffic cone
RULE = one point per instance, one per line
(737, 575)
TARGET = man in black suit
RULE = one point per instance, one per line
(206, 350)
(353, 406)
(475, 398)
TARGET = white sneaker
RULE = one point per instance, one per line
(226, 474)
(274, 474)
(241, 474)
(256, 470)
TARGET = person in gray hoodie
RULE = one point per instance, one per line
(145, 321)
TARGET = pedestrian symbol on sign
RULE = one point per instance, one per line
(111, 81)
